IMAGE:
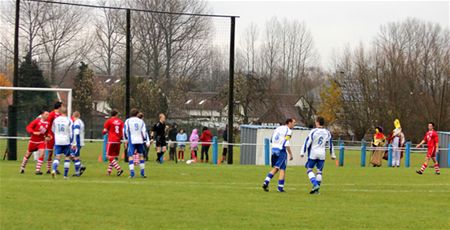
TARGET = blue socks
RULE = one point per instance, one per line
(55, 164)
(280, 185)
(268, 178)
(312, 178)
(131, 166)
(142, 166)
(66, 167)
(77, 164)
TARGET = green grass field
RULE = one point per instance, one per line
(205, 196)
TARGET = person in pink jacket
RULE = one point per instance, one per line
(194, 144)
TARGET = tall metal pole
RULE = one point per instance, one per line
(128, 65)
(12, 110)
(441, 107)
(128, 68)
(231, 92)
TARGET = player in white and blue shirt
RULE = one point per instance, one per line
(135, 134)
(280, 149)
(78, 135)
(63, 129)
(315, 146)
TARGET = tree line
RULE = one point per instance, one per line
(403, 74)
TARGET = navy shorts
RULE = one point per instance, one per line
(75, 153)
(62, 149)
(279, 159)
(310, 164)
(132, 148)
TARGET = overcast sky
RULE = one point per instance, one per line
(334, 24)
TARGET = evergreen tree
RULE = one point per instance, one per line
(30, 103)
(82, 93)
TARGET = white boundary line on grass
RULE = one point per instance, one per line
(336, 148)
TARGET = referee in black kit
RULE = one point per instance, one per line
(158, 135)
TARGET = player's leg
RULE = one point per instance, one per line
(40, 161)
(66, 161)
(136, 158)
(312, 177)
(77, 163)
(58, 151)
(50, 145)
(275, 169)
(436, 165)
(130, 153)
(281, 164)
(424, 165)
(82, 166)
(24, 162)
(30, 150)
(49, 160)
(319, 166)
(268, 178)
(141, 161)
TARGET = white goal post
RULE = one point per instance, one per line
(69, 93)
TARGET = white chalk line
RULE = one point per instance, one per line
(250, 186)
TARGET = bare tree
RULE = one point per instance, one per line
(108, 40)
(61, 34)
(404, 75)
(249, 47)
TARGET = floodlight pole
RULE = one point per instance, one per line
(12, 110)
(128, 65)
(128, 68)
(231, 93)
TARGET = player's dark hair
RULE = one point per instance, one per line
(134, 112)
(205, 128)
(58, 105)
(289, 120)
(321, 120)
(41, 111)
(114, 113)
(432, 123)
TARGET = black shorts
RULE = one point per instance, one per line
(161, 143)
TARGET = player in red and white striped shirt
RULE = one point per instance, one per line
(432, 140)
(114, 128)
(39, 132)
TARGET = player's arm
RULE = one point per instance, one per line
(333, 155)
(125, 136)
(288, 148)
(288, 144)
(76, 132)
(105, 127)
(421, 143)
(306, 144)
(152, 132)
(145, 135)
(30, 128)
(437, 143)
(72, 135)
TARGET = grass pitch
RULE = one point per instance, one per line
(205, 196)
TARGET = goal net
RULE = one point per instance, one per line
(30, 102)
